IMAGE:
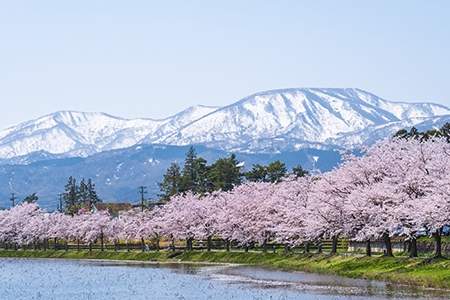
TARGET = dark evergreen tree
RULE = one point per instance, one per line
(298, 171)
(424, 136)
(171, 182)
(31, 198)
(92, 196)
(276, 171)
(258, 173)
(195, 173)
(201, 182)
(82, 193)
(70, 196)
(189, 173)
(224, 174)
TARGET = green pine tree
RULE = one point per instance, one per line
(224, 174)
(70, 196)
(258, 173)
(32, 198)
(201, 170)
(92, 196)
(82, 193)
(189, 173)
(298, 171)
(195, 173)
(276, 171)
(171, 182)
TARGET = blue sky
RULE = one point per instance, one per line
(154, 58)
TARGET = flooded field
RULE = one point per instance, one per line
(70, 279)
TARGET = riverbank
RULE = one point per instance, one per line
(424, 272)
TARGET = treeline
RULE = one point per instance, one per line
(77, 196)
(197, 177)
(443, 132)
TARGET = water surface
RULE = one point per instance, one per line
(72, 279)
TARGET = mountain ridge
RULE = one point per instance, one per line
(267, 121)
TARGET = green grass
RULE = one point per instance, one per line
(419, 271)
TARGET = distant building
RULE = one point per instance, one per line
(113, 208)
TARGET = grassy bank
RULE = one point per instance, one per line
(419, 271)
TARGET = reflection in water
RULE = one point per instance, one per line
(64, 279)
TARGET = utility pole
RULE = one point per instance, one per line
(142, 191)
(60, 208)
(13, 199)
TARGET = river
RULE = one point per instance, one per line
(74, 279)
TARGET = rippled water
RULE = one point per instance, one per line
(69, 279)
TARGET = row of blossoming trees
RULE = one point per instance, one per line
(399, 188)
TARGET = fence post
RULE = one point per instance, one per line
(209, 244)
(388, 245)
(157, 243)
(227, 245)
(334, 245)
(101, 241)
(306, 247)
(172, 245)
(368, 248)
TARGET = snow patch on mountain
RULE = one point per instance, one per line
(300, 116)
(82, 134)
(270, 121)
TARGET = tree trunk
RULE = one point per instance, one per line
(388, 245)
(128, 246)
(173, 245)
(209, 244)
(143, 244)
(157, 243)
(437, 244)
(54, 244)
(319, 247)
(368, 248)
(334, 245)
(78, 245)
(306, 247)
(413, 247)
(102, 241)
(286, 248)
(189, 244)
(90, 247)
(264, 246)
(246, 248)
(227, 245)
(66, 245)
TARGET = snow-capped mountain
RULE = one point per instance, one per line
(82, 134)
(294, 118)
(271, 121)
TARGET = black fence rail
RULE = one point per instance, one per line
(325, 246)
(199, 245)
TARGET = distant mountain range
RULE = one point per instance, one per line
(272, 121)
(120, 154)
(118, 173)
